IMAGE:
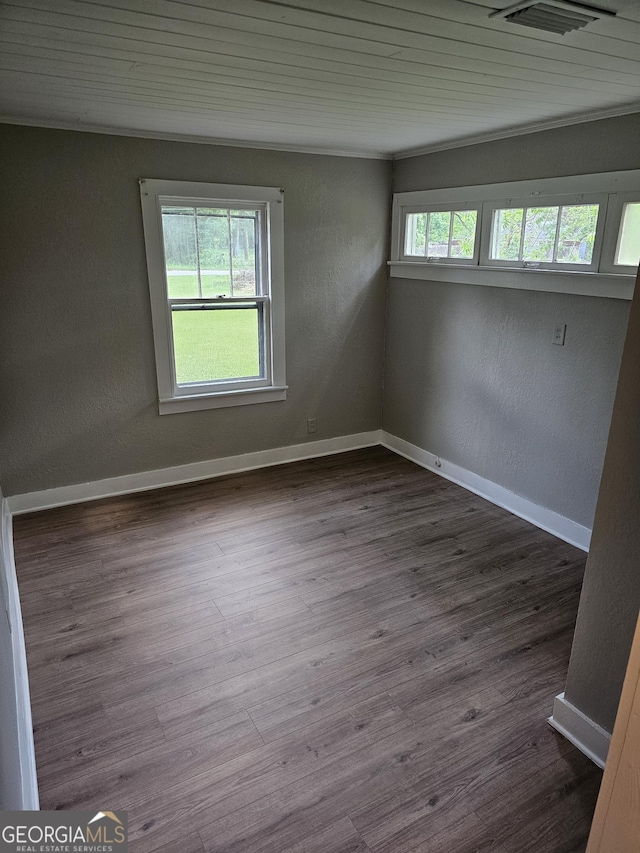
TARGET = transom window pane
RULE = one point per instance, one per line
(551, 234)
(628, 253)
(463, 236)
(213, 343)
(539, 234)
(211, 251)
(441, 234)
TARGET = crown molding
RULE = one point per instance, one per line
(23, 121)
(520, 130)
(460, 142)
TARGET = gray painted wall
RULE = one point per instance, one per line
(607, 145)
(472, 376)
(471, 373)
(611, 592)
(77, 382)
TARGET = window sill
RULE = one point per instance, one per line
(222, 400)
(551, 281)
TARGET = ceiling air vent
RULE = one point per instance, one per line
(552, 16)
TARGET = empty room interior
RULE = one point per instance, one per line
(320, 422)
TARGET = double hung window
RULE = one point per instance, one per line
(215, 262)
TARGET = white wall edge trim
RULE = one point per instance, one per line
(191, 472)
(590, 738)
(546, 519)
(23, 121)
(521, 130)
(26, 748)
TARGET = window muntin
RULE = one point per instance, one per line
(443, 235)
(215, 259)
(628, 246)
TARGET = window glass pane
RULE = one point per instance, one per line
(213, 245)
(439, 226)
(216, 342)
(210, 251)
(628, 253)
(540, 233)
(415, 234)
(577, 233)
(463, 236)
(180, 252)
(244, 233)
(506, 234)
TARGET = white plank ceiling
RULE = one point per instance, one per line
(370, 76)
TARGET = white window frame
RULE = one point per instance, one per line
(440, 208)
(269, 201)
(611, 190)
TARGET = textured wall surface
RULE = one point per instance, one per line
(472, 376)
(608, 145)
(77, 375)
(611, 592)
(471, 373)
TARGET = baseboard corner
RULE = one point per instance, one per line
(586, 735)
(546, 519)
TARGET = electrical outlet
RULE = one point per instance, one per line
(312, 425)
(559, 333)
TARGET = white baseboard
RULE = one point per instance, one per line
(22, 767)
(587, 736)
(189, 473)
(560, 526)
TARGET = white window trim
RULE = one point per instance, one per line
(172, 398)
(603, 279)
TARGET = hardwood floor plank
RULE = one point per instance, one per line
(342, 655)
(83, 743)
(116, 778)
(501, 749)
(339, 837)
(569, 788)
(235, 787)
(468, 835)
(190, 842)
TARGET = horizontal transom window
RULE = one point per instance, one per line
(580, 225)
(545, 235)
(441, 234)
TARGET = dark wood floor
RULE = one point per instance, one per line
(348, 654)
